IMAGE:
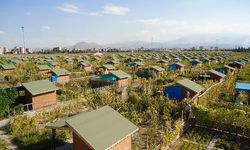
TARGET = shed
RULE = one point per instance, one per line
(61, 74)
(40, 93)
(157, 69)
(44, 68)
(215, 75)
(190, 89)
(8, 67)
(101, 129)
(177, 66)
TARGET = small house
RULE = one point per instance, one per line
(189, 88)
(85, 66)
(107, 68)
(196, 62)
(136, 65)
(177, 67)
(215, 75)
(99, 129)
(157, 69)
(114, 63)
(7, 67)
(236, 65)
(117, 77)
(163, 62)
(61, 75)
(40, 93)
(228, 69)
(44, 69)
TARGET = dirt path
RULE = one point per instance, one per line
(5, 137)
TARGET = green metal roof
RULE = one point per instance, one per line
(191, 85)
(101, 128)
(43, 67)
(120, 74)
(40, 86)
(8, 66)
(217, 73)
(61, 72)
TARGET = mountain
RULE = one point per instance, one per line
(86, 45)
(207, 41)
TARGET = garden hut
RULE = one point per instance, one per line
(196, 62)
(236, 65)
(177, 67)
(44, 69)
(85, 65)
(157, 69)
(241, 86)
(99, 129)
(228, 69)
(60, 75)
(117, 77)
(40, 93)
(7, 67)
(107, 68)
(215, 75)
(189, 88)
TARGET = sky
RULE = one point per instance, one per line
(51, 23)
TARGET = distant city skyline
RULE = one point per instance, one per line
(51, 23)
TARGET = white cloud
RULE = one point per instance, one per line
(70, 8)
(28, 13)
(115, 10)
(1, 32)
(45, 27)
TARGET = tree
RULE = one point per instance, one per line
(7, 99)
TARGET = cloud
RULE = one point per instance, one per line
(69, 8)
(45, 27)
(28, 13)
(1, 32)
(115, 10)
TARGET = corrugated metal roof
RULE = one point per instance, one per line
(191, 85)
(61, 72)
(217, 73)
(40, 86)
(120, 74)
(101, 128)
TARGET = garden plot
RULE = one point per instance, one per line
(197, 138)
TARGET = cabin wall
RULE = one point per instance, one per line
(44, 99)
(63, 79)
(122, 82)
(125, 144)
(79, 144)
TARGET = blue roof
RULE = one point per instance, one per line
(107, 77)
(242, 86)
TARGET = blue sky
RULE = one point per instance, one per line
(65, 22)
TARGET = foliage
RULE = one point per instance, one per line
(7, 100)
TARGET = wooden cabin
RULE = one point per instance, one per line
(159, 71)
(7, 67)
(40, 93)
(61, 74)
(44, 69)
(216, 76)
(190, 89)
(99, 129)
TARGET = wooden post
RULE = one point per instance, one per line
(53, 138)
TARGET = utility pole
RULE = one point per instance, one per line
(23, 38)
